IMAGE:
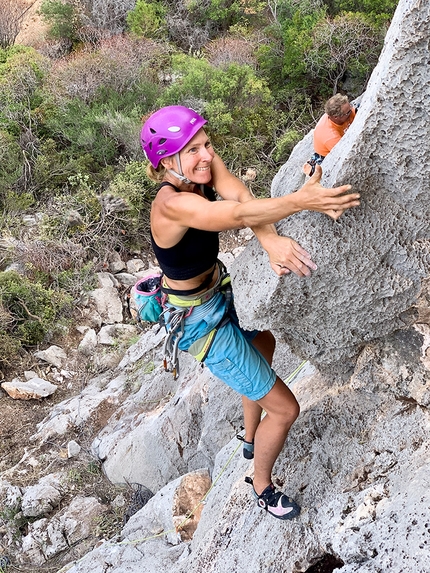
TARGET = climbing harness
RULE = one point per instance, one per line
(182, 307)
(316, 159)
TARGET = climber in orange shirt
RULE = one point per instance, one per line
(339, 115)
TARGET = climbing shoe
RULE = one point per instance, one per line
(248, 447)
(275, 502)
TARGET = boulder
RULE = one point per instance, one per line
(108, 304)
(371, 261)
(53, 355)
(33, 389)
(42, 497)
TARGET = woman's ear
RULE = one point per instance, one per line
(167, 162)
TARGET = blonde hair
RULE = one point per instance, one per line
(156, 175)
(334, 105)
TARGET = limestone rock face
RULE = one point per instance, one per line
(356, 460)
(372, 260)
(168, 428)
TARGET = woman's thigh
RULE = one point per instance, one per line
(239, 364)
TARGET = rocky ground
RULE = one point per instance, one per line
(24, 463)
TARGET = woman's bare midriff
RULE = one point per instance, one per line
(194, 282)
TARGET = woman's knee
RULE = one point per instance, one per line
(281, 404)
(291, 411)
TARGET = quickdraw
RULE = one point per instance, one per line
(171, 342)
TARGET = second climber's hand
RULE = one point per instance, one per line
(287, 256)
(330, 201)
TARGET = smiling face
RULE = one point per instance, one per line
(196, 158)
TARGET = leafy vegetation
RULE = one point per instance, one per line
(259, 71)
(28, 313)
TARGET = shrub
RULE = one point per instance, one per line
(33, 309)
(147, 19)
(11, 16)
(95, 99)
(234, 99)
(348, 43)
(11, 162)
(63, 19)
(9, 348)
(109, 15)
(285, 144)
(133, 185)
(21, 73)
(97, 222)
(118, 64)
(229, 49)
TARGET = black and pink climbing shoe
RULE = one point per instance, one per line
(275, 502)
(248, 447)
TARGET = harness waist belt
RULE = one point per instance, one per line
(189, 301)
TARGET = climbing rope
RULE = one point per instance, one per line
(294, 374)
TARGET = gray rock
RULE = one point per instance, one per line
(53, 355)
(135, 265)
(112, 334)
(147, 272)
(196, 414)
(116, 264)
(126, 279)
(107, 280)
(88, 344)
(42, 497)
(29, 374)
(371, 262)
(73, 449)
(149, 540)
(47, 538)
(34, 389)
(108, 304)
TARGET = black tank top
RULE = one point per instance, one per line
(195, 253)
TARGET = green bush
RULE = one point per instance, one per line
(133, 185)
(224, 14)
(9, 348)
(379, 11)
(33, 309)
(346, 45)
(285, 144)
(235, 101)
(11, 166)
(21, 74)
(147, 19)
(62, 18)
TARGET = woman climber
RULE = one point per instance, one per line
(186, 219)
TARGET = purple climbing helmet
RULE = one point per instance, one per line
(168, 130)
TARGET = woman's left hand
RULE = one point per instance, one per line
(287, 256)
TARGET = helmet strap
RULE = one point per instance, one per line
(179, 175)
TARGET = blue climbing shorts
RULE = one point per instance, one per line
(232, 358)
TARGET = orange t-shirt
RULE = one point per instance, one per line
(327, 133)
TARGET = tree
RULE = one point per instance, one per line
(345, 43)
(376, 9)
(11, 16)
(108, 14)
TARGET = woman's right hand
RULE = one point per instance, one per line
(331, 201)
